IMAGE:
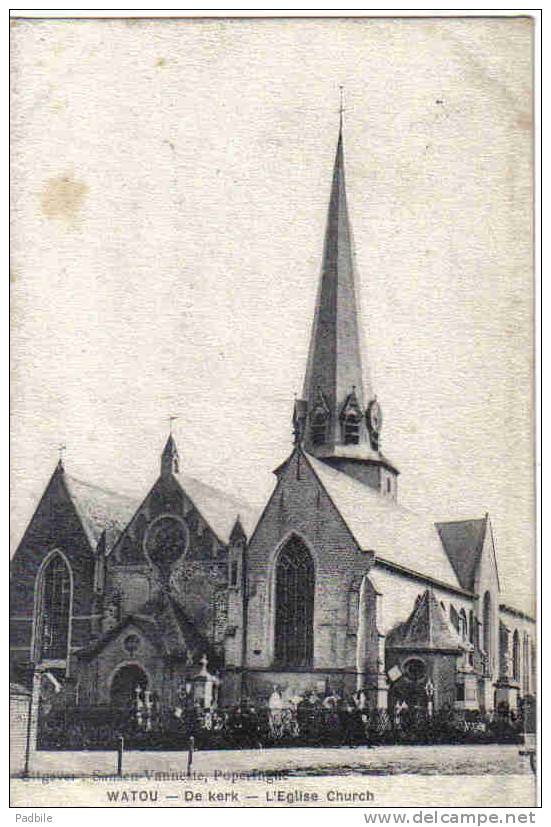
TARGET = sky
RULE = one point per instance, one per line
(170, 182)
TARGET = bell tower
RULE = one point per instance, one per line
(339, 417)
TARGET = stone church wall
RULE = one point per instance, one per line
(299, 505)
(527, 631)
(54, 526)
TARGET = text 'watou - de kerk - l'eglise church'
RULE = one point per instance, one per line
(332, 587)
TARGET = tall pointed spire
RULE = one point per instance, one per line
(343, 417)
(169, 458)
(334, 360)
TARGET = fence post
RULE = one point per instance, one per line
(191, 748)
(33, 719)
(28, 738)
(120, 751)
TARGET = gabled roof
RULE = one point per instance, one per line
(379, 524)
(147, 625)
(102, 510)
(426, 629)
(218, 508)
(99, 509)
(164, 622)
(463, 541)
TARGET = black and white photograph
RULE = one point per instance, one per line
(273, 532)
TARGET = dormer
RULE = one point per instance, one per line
(319, 420)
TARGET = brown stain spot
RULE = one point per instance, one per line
(62, 197)
(161, 62)
(524, 121)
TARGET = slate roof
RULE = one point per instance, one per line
(379, 524)
(334, 363)
(218, 508)
(100, 509)
(463, 541)
(426, 629)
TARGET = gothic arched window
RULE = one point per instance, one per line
(516, 656)
(472, 628)
(454, 617)
(463, 624)
(294, 605)
(525, 664)
(487, 624)
(53, 610)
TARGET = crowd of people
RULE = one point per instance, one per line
(310, 718)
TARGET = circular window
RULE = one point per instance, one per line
(166, 540)
(415, 669)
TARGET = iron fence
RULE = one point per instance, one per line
(98, 728)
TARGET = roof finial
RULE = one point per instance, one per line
(171, 419)
(61, 448)
(341, 105)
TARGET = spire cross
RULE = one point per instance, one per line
(341, 104)
(61, 449)
(171, 419)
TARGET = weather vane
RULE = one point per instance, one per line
(61, 448)
(171, 419)
(341, 106)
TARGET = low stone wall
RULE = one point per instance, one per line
(19, 716)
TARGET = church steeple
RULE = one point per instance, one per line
(343, 419)
(169, 458)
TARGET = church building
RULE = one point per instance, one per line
(333, 587)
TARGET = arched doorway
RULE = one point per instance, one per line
(124, 683)
(294, 605)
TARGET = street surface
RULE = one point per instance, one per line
(389, 776)
(490, 759)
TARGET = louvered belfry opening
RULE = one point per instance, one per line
(294, 614)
